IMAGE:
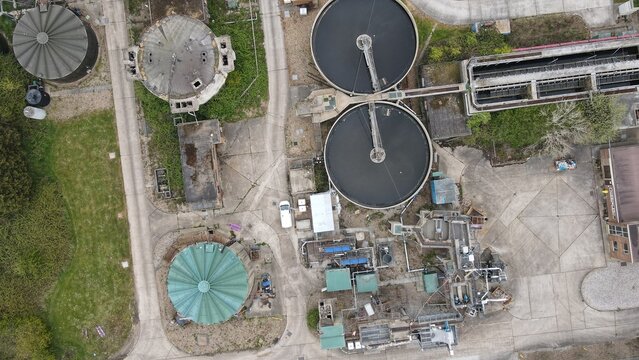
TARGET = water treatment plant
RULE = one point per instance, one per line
(315, 184)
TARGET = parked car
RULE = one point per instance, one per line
(286, 216)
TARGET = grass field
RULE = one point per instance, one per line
(94, 290)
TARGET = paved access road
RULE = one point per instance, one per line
(594, 12)
(151, 342)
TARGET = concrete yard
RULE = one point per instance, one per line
(594, 12)
(546, 227)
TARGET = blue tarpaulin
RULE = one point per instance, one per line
(353, 261)
(337, 249)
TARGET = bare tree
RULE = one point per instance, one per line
(566, 126)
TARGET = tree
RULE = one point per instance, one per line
(15, 181)
(566, 126)
(604, 114)
(32, 338)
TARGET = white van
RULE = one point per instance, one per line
(286, 217)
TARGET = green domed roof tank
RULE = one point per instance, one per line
(207, 283)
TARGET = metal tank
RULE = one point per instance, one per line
(52, 43)
(208, 283)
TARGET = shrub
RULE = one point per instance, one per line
(312, 319)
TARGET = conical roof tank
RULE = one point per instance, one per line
(207, 283)
(52, 43)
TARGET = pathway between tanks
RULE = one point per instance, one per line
(151, 342)
(459, 12)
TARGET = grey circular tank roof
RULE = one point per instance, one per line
(334, 43)
(50, 44)
(378, 185)
(179, 55)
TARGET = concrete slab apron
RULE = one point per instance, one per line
(594, 12)
(546, 226)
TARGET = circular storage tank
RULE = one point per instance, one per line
(335, 51)
(179, 59)
(207, 283)
(55, 44)
(398, 177)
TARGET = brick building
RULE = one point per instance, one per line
(620, 171)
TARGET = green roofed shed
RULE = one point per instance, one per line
(332, 337)
(338, 279)
(431, 283)
(207, 283)
(366, 282)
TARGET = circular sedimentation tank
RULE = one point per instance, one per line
(371, 184)
(338, 55)
(207, 283)
(53, 43)
(179, 59)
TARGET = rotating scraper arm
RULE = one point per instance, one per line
(365, 43)
(377, 154)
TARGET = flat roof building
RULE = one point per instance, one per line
(332, 337)
(200, 166)
(322, 212)
(338, 279)
(366, 282)
(620, 172)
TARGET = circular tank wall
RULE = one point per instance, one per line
(178, 57)
(55, 44)
(396, 179)
(207, 283)
(391, 28)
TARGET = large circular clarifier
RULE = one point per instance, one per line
(335, 50)
(371, 184)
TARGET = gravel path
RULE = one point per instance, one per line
(612, 288)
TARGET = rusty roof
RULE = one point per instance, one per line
(625, 173)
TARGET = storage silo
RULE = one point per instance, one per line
(208, 283)
(52, 43)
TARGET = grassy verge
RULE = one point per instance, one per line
(321, 178)
(246, 89)
(506, 135)
(312, 319)
(243, 95)
(94, 290)
(548, 29)
(164, 145)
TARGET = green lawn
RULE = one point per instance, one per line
(94, 289)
